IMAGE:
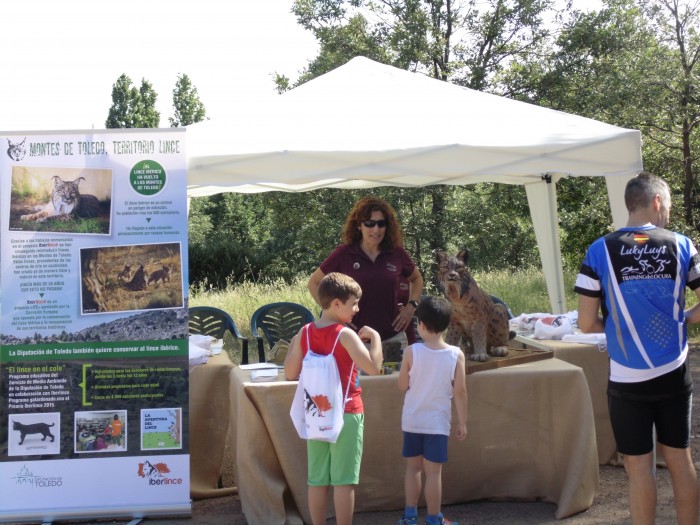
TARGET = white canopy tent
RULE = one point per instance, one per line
(366, 124)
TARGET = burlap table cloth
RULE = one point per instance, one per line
(595, 365)
(210, 411)
(530, 436)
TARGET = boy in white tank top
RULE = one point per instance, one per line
(432, 374)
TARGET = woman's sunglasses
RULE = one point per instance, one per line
(372, 223)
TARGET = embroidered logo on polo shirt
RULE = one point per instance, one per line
(391, 267)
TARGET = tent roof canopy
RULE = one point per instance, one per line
(366, 124)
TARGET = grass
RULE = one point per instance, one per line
(241, 300)
(523, 291)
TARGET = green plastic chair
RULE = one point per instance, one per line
(278, 321)
(208, 320)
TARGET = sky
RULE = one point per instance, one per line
(62, 58)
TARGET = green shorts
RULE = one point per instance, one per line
(337, 463)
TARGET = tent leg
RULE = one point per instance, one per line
(542, 199)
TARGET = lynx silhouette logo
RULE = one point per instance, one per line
(16, 150)
(155, 473)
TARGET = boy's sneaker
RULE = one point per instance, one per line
(407, 521)
(445, 521)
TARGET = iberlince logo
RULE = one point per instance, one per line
(155, 473)
(25, 478)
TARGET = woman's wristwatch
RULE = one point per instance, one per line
(414, 303)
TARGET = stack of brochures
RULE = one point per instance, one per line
(262, 372)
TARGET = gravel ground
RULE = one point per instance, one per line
(609, 506)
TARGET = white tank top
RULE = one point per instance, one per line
(427, 406)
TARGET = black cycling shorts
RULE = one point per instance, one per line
(632, 421)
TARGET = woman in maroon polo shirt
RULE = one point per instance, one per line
(372, 253)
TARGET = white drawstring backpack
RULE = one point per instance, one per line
(318, 405)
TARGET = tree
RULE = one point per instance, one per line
(467, 43)
(189, 109)
(464, 42)
(632, 64)
(132, 107)
(677, 25)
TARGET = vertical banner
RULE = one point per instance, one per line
(93, 325)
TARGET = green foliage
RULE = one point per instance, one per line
(499, 31)
(132, 107)
(241, 299)
(467, 42)
(228, 235)
(189, 109)
(632, 64)
(342, 36)
(584, 215)
(282, 235)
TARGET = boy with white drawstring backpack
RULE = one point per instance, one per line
(336, 463)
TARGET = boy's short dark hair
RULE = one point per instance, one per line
(435, 313)
(337, 285)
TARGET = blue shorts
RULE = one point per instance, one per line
(432, 447)
(337, 463)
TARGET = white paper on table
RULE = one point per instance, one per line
(590, 339)
(261, 375)
(260, 366)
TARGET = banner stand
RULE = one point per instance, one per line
(94, 349)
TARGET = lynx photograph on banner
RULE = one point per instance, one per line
(94, 403)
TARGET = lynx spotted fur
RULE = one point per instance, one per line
(66, 203)
(482, 323)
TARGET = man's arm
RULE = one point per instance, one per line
(692, 315)
(588, 319)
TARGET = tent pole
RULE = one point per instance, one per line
(542, 200)
(616, 197)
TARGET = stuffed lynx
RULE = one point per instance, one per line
(482, 323)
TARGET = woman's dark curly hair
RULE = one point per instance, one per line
(362, 211)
